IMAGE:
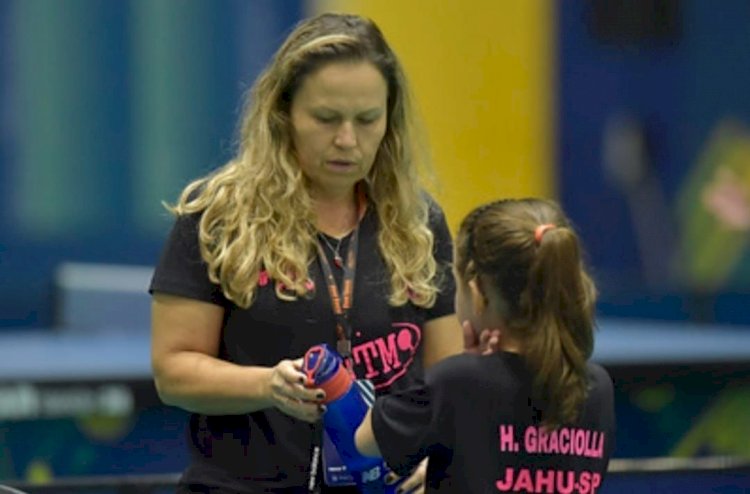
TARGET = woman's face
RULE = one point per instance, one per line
(339, 117)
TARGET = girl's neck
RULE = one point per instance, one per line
(510, 346)
(510, 342)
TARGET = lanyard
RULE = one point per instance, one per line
(341, 301)
(342, 298)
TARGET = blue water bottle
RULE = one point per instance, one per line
(346, 408)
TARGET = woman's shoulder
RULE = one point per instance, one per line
(431, 201)
(186, 221)
(435, 213)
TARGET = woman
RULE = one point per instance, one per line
(536, 416)
(316, 232)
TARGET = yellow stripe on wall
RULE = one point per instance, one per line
(481, 72)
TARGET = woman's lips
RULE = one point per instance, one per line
(340, 163)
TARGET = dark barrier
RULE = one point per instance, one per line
(714, 475)
(118, 484)
(92, 410)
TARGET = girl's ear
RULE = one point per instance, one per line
(478, 299)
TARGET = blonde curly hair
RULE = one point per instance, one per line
(256, 210)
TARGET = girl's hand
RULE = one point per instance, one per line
(484, 343)
(414, 483)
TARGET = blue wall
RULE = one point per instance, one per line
(677, 85)
(98, 124)
(109, 108)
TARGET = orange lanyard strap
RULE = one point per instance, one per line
(342, 299)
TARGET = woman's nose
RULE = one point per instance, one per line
(345, 136)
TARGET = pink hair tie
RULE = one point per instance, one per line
(539, 232)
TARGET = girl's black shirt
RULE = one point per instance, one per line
(474, 418)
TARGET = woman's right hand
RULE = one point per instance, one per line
(288, 393)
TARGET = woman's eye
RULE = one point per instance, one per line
(368, 120)
(326, 119)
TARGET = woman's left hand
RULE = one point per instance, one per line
(414, 483)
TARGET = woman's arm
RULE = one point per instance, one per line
(185, 337)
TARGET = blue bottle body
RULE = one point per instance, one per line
(343, 416)
(340, 421)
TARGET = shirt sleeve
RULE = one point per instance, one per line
(181, 270)
(401, 423)
(411, 424)
(443, 252)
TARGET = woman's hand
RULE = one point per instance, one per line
(288, 393)
(484, 343)
(414, 483)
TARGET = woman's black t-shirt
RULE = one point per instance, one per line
(267, 449)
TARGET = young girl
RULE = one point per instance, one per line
(536, 416)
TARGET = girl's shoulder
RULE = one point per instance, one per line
(598, 376)
(458, 371)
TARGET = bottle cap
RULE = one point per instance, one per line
(325, 369)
